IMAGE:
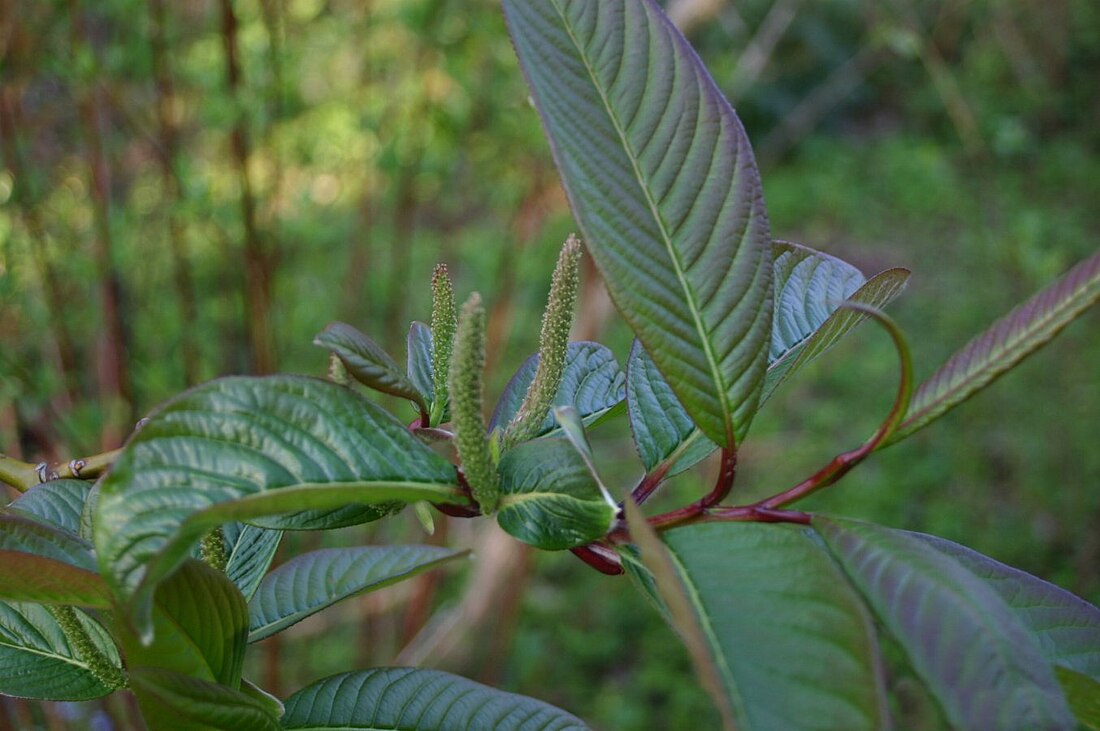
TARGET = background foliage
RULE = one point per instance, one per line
(351, 145)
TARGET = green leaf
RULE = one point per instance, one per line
(40, 563)
(419, 360)
(662, 181)
(591, 383)
(876, 293)
(37, 661)
(1067, 627)
(251, 550)
(200, 625)
(1008, 341)
(549, 497)
(1083, 696)
(407, 699)
(368, 363)
(58, 502)
(313, 581)
(242, 448)
(975, 655)
(794, 643)
(179, 702)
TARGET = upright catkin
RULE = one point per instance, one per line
(444, 324)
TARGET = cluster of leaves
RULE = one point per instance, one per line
(104, 586)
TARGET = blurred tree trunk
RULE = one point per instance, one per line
(258, 264)
(113, 372)
(168, 132)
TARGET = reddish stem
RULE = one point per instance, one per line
(649, 484)
(600, 557)
(722, 487)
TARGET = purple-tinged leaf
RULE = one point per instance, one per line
(40, 563)
(973, 652)
(1008, 341)
(662, 181)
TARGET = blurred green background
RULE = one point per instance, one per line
(193, 188)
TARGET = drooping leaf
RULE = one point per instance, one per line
(1083, 696)
(200, 625)
(40, 563)
(407, 699)
(255, 692)
(1067, 627)
(313, 581)
(367, 362)
(172, 700)
(1008, 341)
(37, 661)
(549, 497)
(975, 655)
(591, 383)
(242, 448)
(662, 181)
(419, 360)
(876, 293)
(251, 550)
(58, 502)
(795, 644)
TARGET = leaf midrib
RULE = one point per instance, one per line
(677, 265)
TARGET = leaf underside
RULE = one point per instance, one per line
(407, 699)
(251, 550)
(367, 362)
(662, 181)
(1008, 341)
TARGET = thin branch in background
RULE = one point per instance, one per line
(113, 372)
(758, 53)
(690, 14)
(258, 265)
(169, 134)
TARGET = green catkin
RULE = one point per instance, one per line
(557, 321)
(465, 381)
(444, 324)
(213, 550)
(99, 665)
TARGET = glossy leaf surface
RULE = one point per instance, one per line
(972, 652)
(179, 702)
(308, 583)
(407, 699)
(200, 625)
(367, 362)
(1008, 341)
(40, 563)
(592, 383)
(241, 448)
(418, 366)
(794, 643)
(251, 550)
(1067, 627)
(58, 502)
(37, 661)
(662, 181)
(549, 497)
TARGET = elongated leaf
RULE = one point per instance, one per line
(201, 623)
(171, 700)
(40, 563)
(592, 383)
(1008, 341)
(241, 448)
(313, 581)
(1083, 696)
(1067, 627)
(251, 550)
(419, 360)
(975, 655)
(809, 285)
(876, 292)
(407, 699)
(794, 643)
(367, 362)
(662, 181)
(37, 661)
(58, 502)
(549, 497)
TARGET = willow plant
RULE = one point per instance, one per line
(782, 609)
